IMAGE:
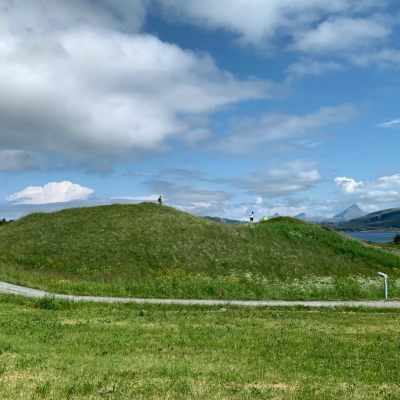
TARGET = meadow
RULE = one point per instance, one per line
(51, 349)
(145, 250)
(242, 285)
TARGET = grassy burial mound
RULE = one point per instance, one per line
(127, 244)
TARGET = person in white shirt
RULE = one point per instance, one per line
(252, 216)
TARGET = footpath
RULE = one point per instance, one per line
(8, 288)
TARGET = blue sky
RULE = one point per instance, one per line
(222, 107)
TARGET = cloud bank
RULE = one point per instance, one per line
(254, 134)
(290, 178)
(347, 31)
(51, 193)
(88, 86)
(310, 23)
(384, 190)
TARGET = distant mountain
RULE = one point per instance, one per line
(275, 215)
(223, 221)
(381, 220)
(352, 212)
(309, 218)
(302, 217)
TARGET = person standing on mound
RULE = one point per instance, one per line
(160, 201)
(252, 216)
(265, 218)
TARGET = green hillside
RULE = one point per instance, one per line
(128, 243)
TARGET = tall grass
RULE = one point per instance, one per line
(234, 285)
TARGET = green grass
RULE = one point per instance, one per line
(151, 251)
(391, 246)
(59, 350)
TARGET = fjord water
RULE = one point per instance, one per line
(377, 237)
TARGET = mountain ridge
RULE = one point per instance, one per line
(309, 218)
(380, 220)
(354, 211)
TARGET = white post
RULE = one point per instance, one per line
(382, 275)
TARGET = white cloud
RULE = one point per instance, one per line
(249, 134)
(383, 58)
(390, 124)
(291, 177)
(345, 30)
(349, 185)
(312, 67)
(388, 181)
(381, 190)
(378, 196)
(212, 208)
(51, 193)
(287, 206)
(257, 22)
(45, 16)
(140, 198)
(84, 89)
(195, 206)
(178, 194)
(342, 34)
(258, 200)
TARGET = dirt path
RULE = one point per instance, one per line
(24, 291)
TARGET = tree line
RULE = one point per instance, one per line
(5, 222)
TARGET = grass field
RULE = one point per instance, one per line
(146, 250)
(58, 350)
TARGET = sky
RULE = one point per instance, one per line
(222, 107)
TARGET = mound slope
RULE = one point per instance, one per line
(129, 241)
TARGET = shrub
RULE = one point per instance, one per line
(397, 239)
(50, 302)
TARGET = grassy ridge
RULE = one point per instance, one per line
(81, 351)
(134, 249)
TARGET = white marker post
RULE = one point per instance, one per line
(382, 275)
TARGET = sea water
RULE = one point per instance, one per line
(377, 237)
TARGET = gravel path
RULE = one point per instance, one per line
(24, 291)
